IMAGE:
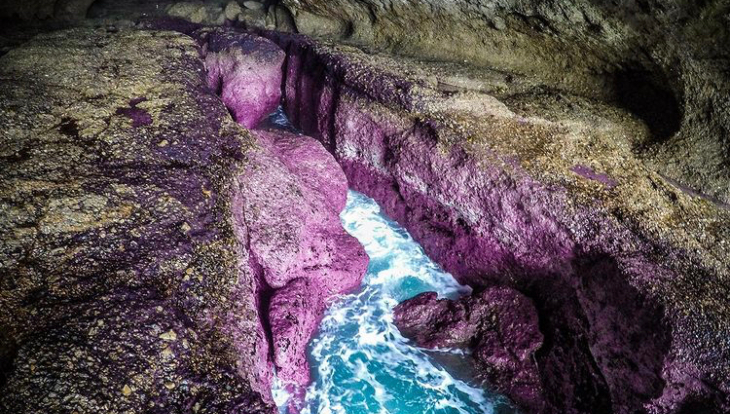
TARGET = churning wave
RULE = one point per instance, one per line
(360, 362)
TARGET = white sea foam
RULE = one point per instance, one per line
(361, 363)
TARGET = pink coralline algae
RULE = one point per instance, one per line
(290, 196)
(293, 191)
(501, 326)
(246, 72)
(139, 116)
(588, 172)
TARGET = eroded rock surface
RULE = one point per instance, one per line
(499, 325)
(124, 286)
(292, 196)
(151, 248)
(504, 186)
(246, 71)
(662, 60)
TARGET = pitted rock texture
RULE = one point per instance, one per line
(627, 272)
(138, 268)
(246, 70)
(292, 196)
(499, 325)
(662, 60)
(124, 286)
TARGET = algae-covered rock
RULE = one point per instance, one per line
(124, 287)
(246, 71)
(500, 326)
(506, 185)
(662, 60)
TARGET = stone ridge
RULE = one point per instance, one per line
(156, 256)
(122, 285)
(289, 200)
(663, 60)
(630, 299)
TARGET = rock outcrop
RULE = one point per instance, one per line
(505, 186)
(499, 324)
(246, 72)
(152, 251)
(292, 196)
(662, 60)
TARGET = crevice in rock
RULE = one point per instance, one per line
(648, 95)
(8, 352)
(375, 146)
(287, 204)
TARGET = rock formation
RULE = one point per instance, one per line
(662, 60)
(152, 250)
(567, 159)
(615, 258)
(501, 326)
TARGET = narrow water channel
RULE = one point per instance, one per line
(360, 362)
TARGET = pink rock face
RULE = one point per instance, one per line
(293, 194)
(499, 324)
(246, 71)
(294, 313)
(288, 202)
(618, 339)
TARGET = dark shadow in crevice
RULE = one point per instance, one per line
(627, 335)
(648, 95)
(8, 352)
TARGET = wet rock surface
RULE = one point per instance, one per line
(579, 158)
(292, 197)
(499, 325)
(542, 196)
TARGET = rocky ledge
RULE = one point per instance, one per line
(155, 255)
(511, 187)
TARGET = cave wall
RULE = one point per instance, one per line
(616, 302)
(666, 61)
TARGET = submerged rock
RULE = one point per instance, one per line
(499, 325)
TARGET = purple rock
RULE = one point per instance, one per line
(588, 172)
(611, 296)
(499, 325)
(293, 191)
(246, 71)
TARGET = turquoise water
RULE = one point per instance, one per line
(360, 363)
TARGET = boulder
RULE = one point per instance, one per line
(246, 70)
(498, 325)
(305, 255)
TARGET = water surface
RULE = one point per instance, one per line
(360, 362)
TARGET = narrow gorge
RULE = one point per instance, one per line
(356, 207)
